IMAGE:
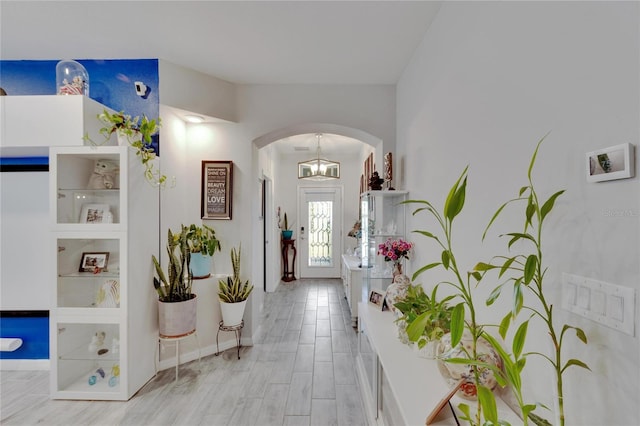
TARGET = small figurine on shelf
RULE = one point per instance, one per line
(97, 376)
(104, 175)
(375, 183)
(115, 375)
(97, 341)
(388, 170)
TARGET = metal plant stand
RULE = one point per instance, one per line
(235, 328)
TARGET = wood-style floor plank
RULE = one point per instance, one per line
(300, 372)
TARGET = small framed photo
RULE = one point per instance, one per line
(615, 162)
(217, 190)
(377, 298)
(92, 260)
(96, 213)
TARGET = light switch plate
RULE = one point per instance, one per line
(608, 304)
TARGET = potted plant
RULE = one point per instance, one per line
(137, 132)
(176, 302)
(203, 244)
(425, 318)
(287, 232)
(233, 293)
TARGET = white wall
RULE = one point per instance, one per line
(488, 81)
(26, 263)
(261, 110)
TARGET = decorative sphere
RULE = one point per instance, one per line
(453, 373)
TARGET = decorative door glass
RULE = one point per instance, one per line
(320, 229)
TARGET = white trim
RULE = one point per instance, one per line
(24, 364)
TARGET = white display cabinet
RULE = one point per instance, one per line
(383, 216)
(104, 315)
(352, 283)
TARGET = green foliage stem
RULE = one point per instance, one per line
(138, 132)
(202, 239)
(527, 273)
(462, 283)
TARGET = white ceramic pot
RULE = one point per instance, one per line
(232, 313)
(177, 318)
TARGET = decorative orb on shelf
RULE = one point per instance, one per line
(453, 373)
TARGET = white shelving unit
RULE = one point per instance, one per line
(383, 216)
(122, 223)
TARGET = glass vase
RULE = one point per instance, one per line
(71, 78)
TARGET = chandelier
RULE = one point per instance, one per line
(318, 168)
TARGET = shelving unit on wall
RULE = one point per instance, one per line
(383, 216)
(103, 319)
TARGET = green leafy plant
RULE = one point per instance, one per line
(138, 132)
(424, 315)
(232, 289)
(463, 314)
(177, 288)
(527, 275)
(202, 239)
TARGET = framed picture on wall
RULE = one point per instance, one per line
(217, 190)
(615, 162)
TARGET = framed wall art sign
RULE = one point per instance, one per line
(217, 189)
(615, 162)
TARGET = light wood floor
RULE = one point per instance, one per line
(300, 371)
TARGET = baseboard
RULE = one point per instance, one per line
(25, 364)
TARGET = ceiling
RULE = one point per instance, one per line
(244, 42)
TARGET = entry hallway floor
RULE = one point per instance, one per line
(300, 371)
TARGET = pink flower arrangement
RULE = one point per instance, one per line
(395, 250)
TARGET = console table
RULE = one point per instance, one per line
(289, 271)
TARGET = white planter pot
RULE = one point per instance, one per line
(232, 313)
(178, 318)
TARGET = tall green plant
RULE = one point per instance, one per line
(462, 282)
(233, 289)
(177, 287)
(527, 275)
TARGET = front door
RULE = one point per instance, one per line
(320, 232)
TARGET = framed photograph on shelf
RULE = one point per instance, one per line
(217, 190)
(96, 213)
(377, 298)
(92, 260)
(615, 162)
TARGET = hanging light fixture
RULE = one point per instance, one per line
(318, 168)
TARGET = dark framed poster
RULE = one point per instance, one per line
(217, 189)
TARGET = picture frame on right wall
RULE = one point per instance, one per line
(614, 162)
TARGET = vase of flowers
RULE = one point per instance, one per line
(394, 251)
